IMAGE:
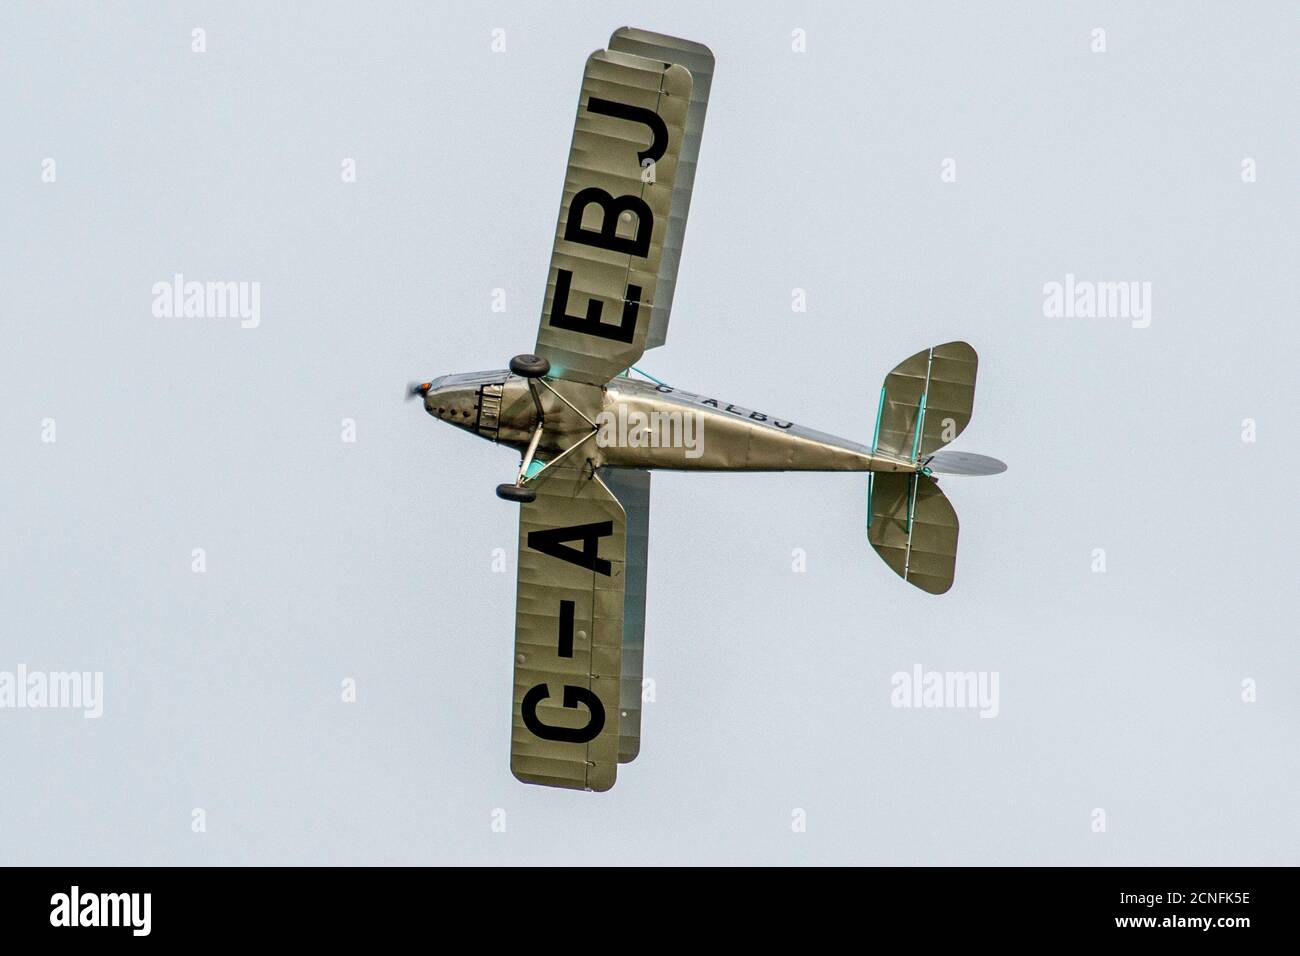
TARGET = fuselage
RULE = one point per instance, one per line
(629, 423)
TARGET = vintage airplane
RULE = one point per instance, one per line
(589, 433)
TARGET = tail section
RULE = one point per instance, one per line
(949, 462)
(925, 403)
(914, 528)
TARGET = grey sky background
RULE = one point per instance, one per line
(372, 560)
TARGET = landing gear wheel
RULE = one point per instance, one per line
(516, 493)
(529, 366)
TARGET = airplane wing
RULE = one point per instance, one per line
(614, 225)
(632, 488)
(697, 58)
(569, 633)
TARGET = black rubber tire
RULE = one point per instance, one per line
(529, 366)
(516, 494)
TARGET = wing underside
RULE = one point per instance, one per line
(632, 487)
(614, 261)
(697, 58)
(569, 633)
(580, 615)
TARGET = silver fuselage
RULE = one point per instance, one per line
(630, 423)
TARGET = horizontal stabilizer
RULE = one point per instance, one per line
(927, 401)
(914, 528)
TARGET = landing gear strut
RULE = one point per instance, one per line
(531, 367)
(534, 368)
